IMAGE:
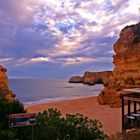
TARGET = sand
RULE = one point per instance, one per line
(110, 118)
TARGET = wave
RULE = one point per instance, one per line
(50, 100)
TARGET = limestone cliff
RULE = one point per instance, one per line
(92, 78)
(126, 73)
(4, 89)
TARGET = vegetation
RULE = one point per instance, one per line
(7, 108)
(136, 40)
(51, 125)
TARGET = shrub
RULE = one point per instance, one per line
(7, 108)
(52, 126)
(136, 40)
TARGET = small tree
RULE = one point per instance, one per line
(7, 108)
(52, 126)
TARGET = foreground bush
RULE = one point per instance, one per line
(7, 108)
(52, 126)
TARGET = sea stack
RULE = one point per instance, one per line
(4, 88)
(126, 73)
(76, 79)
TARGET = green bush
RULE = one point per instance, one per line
(52, 126)
(7, 108)
(136, 39)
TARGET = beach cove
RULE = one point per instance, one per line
(110, 118)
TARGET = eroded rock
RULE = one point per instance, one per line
(126, 73)
(75, 79)
(4, 89)
(92, 78)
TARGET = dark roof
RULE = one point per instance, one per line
(131, 94)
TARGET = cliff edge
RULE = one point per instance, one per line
(126, 73)
(4, 89)
(92, 78)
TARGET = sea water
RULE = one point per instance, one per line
(32, 91)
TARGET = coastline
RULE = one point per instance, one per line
(110, 118)
(58, 99)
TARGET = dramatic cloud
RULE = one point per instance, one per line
(53, 38)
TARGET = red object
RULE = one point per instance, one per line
(22, 115)
(23, 119)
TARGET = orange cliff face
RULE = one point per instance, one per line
(126, 73)
(92, 78)
(4, 89)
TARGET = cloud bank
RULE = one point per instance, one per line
(53, 38)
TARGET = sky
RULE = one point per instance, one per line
(60, 38)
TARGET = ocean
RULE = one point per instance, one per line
(33, 91)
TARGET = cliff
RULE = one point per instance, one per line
(126, 73)
(92, 78)
(4, 89)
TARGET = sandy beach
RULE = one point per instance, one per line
(109, 117)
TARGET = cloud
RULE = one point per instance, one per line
(40, 59)
(19, 11)
(82, 60)
(67, 34)
(4, 60)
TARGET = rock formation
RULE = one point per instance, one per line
(76, 79)
(126, 73)
(92, 78)
(4, 89)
